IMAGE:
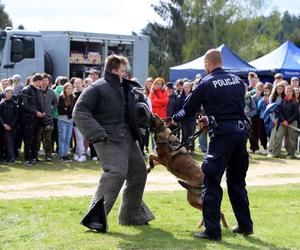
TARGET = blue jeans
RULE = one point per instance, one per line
(203, 141)
(64, 136)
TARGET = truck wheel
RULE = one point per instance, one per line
(48, 63)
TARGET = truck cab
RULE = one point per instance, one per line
(21, 52)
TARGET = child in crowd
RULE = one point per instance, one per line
(65, 107)
(255, 122)
(289, 112)
(188, 126)
(9, 119)
(261, 107)
(276, 98)
(80, 148)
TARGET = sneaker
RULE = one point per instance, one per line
(76, 157)
(11, 161)
(82, 158)
(66, 159)
(290, 157)
(265, 152)
(29, 163)
(35, 160)
(48, 158)
(95, 158)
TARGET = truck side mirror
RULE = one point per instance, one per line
(16, 50)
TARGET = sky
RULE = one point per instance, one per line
(100, 16)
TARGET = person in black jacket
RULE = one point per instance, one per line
(8, 119)
(30, 104)
(49, 103)
(173, 100)
(289, 112)
(105, 114)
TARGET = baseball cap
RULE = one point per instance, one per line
(170, 85)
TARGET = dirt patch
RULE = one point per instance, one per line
(272, 172)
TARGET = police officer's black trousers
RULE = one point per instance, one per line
(226, 153)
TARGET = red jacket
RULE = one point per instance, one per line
(159, 100)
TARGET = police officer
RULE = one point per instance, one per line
(222, 96)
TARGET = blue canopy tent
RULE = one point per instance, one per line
(285, 59)
(231, 62)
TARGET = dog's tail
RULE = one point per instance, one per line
(193, 190)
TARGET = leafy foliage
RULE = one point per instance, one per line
(193, 26)
(4, 18)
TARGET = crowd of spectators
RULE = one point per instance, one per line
(36, 116)
(273, 109)
(36, 119)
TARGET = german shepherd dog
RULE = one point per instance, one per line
(178, 162)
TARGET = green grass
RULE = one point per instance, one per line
(54, 223)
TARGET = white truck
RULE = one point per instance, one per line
(68, 53)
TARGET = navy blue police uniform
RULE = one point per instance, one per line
(222, 96)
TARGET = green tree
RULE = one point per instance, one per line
(290, 28)
(157, 54)
(236, 23)
(21, 27)
(166, 40)
(4, 18)
(193, 26)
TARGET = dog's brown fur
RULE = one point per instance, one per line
(179, 162)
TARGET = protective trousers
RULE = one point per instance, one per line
(226, 152)
(122, 161)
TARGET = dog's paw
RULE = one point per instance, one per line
(200, 223)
